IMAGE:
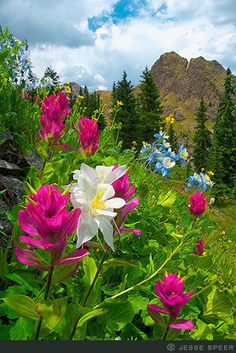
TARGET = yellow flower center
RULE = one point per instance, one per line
(168, 163)
(97, 202)
(208, 178)
(185, 154)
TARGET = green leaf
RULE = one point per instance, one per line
(138, 302)
(131, 332)
(18, 279)
(48, 171)
(3, 262)
(4, 332)
(90, 269)
(201, 330)
(91, 315)
(22, 330)
(167, 200)
(63, 271)
(22, 305)
(119, 313)
(114, 262)
(52, 312)
(218, 305)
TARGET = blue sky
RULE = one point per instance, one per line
(121, 11)
(92, 41)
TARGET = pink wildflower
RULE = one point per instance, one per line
(26, 95)
(48, 223)
(55, 110)
(125, 191)
(197, 204)
(89, 135)
(170, 292)
(122, 186)
(199, 247)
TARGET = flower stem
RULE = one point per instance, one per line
(46, 294)
(45, 161)
(166, 333)
(88, 293)
(95, 279)
(146, 279)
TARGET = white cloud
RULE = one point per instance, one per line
(192, 29)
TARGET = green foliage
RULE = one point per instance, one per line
(148, 108)
(172, 137)
(92, 106)
(223, 153)
(202, 140)
(22, 305)
(17, 115)
(105, 297)
(126, 115)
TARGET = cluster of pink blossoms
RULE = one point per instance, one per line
(198, 204)
(171, 293)
(89, 135)
(199, 247)
(54, 111)
(49, 224)
(125, 191)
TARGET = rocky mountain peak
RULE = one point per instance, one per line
(182, 83)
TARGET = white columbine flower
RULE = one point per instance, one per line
(94, 195)
(100, 174)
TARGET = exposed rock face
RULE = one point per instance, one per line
(183, 83)
(13, 168)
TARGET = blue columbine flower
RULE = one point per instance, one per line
(161, 135)
(164, 166)
(182, 155)
(201, 181)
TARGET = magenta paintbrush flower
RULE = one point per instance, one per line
(54, 111)
(48, 223)
(125, 191)
(199, 247)
(89, 135)
(122, 186)
(197, 204)
(170, 292)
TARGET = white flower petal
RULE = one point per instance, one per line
(87, 229)
(76, 174)
(116, 174)
(89, 172)
(103, 172)
(88, 187)
(107, 231)
(106, 213)
(117, 202)
(108, 191)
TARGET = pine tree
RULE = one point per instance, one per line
(81, 91)
(202, 140)
(93, 103)
(149, 107)
(86, 96)
(223, 154)
(127, 113)
(172, 137)
(49, 72)
(114, 95)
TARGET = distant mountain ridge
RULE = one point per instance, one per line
(182, 83)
